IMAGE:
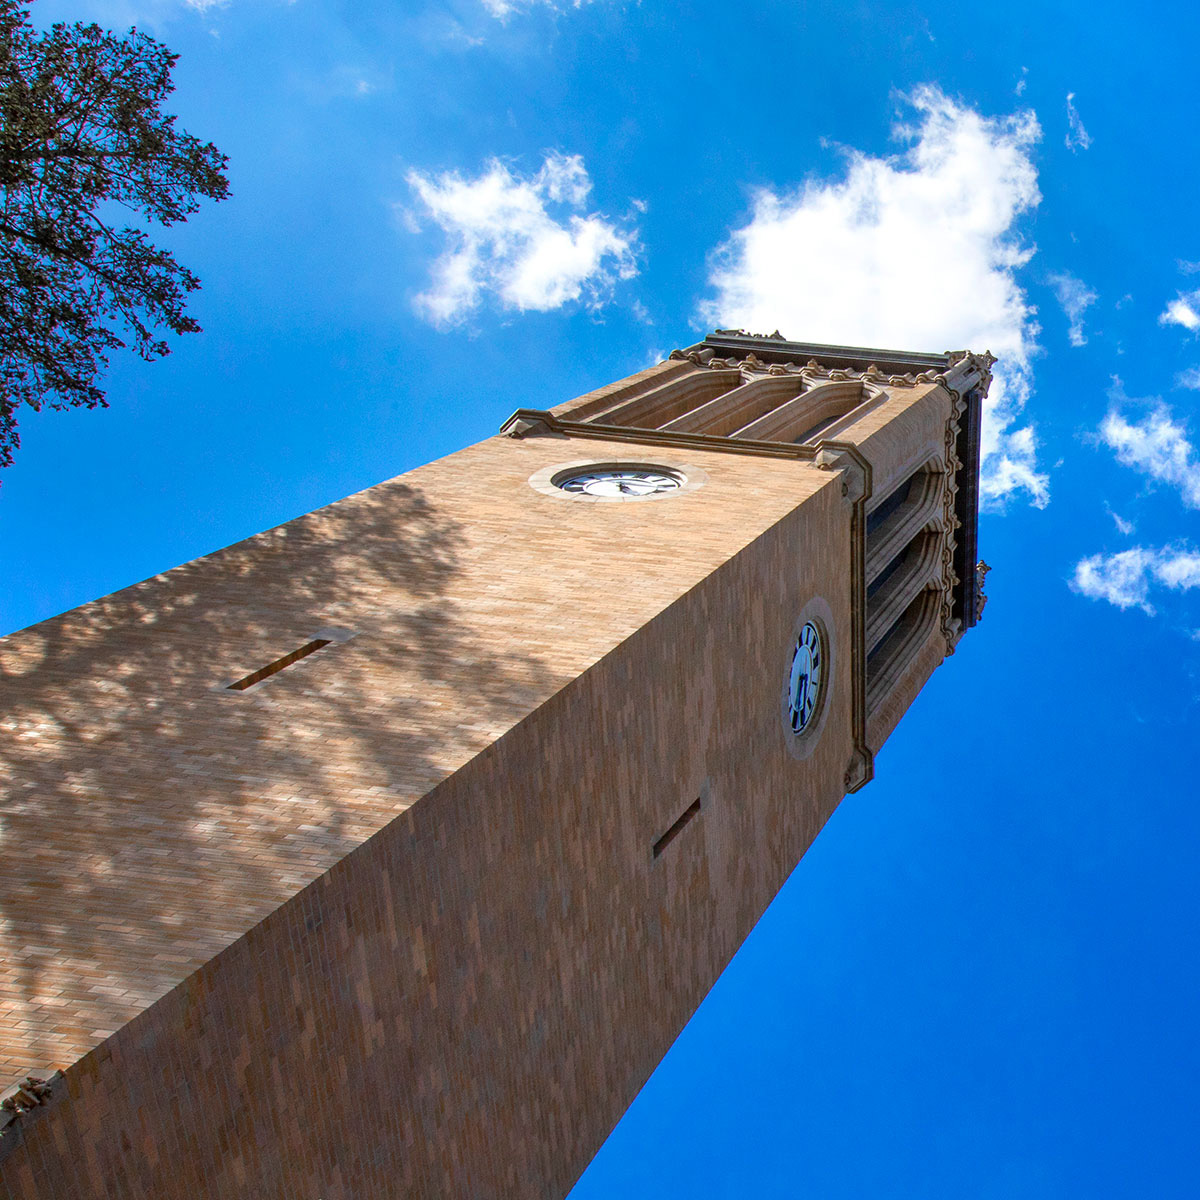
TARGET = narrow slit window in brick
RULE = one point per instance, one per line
(278, 665)
(667, 838)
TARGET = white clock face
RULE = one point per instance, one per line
(620, 481)
(807, 677)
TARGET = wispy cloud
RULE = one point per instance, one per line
(145, 14)
(503, 9)
(1183, 310)
(1145, 434)
(1126, 578)
(1189, 378)
(885, 255)
(527, 241)
(1123, 526)
(1157, 444)
(1077, 137)
(1076, 298)
(350, 80)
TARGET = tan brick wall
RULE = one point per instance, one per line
(304, 965)
(899, 435)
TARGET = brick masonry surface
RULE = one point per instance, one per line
(273, 935)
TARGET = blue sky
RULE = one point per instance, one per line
(982, 980)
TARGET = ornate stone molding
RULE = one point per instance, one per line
(981, 574)
(527, 422)
(762, 337)
(967, 376)
(968, 370)
(951, 626)
(32, 1092)
(846, 458)
(860, 770)
(699, 357)
(856, 470)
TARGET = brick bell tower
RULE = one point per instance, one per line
(386, 852)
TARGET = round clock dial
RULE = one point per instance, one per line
(807, 677)
(620, 481)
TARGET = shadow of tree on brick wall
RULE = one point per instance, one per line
(152, 816)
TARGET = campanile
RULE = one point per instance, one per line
(385, 853)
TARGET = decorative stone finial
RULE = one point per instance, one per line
(981, 573)
(32, 1092)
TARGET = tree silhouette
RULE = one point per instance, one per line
(82, 137)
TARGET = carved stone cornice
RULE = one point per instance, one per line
(969, 449)
(860, 770)
(968, 371)
(981, 574)
(959, 371)
(762, 337)
(32, 1093)
(699, 357)
(847, 458)
(951, 626)
(735, 343)
(958, 381)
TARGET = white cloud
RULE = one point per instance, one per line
(1189, 378)
(1183, 310)
(1076, 298)
(1121, 579)
(526, 240)
(912, 251)
(1157, 445)
(1123, 526)
(1077, 137)
(1125, 579)
(1179, 569)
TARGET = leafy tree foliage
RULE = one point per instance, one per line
(84, 142)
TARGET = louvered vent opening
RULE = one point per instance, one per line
(904, 549)
(900, 641)
(899, 517)
(915, 567)
(879, 515)
(886, 574)
(725, 403)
